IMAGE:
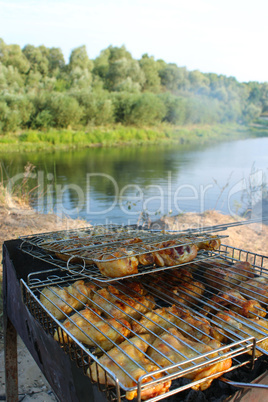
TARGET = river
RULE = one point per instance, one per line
(114, 185)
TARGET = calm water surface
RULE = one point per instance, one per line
(114, 185)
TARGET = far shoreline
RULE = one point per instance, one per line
(120, 136)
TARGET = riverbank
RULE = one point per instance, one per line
(35, 141)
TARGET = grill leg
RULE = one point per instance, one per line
(11, 364)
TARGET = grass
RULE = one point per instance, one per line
(20, 192)
(33, 140)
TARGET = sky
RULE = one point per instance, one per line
(226, 37)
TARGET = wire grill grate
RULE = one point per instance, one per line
(241, 346)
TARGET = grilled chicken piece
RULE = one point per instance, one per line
(157, 320)
(172, 347)
(113, 266)
(124, 302)
(237, 303)
(130, 357)
(212, 243)
(143, 259)
(174, 276)
(181, 274)
(171, 253)
(224, 277)
(256, 288)
(234, 323)
(188, 293)
(146, 259)
(90, 328)
(62, 301)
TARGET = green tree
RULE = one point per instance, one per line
(19, 106)
(264, 97)
(80, 67)
(38, 58)
(101, 64)
(202, 110)
(172, 77)
(175, 108)
(11, 55)
(198, 80)
(98, 108)
(34, 81)
(10, 119)
(43, 119)
(150, 68)
(147, 110)
(123, 105)
(118, 70)
(251, 112)
(14, 80)
(4, 110)
(79, 58)
(65, 110)
(56, 62)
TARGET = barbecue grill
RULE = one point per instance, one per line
(73, 360)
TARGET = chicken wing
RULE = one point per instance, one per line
(236, 302)
(188, 292)
(124, 302)
(113, 266)
(90, 328)
(157, 320)
(233, 323)
(172, 253)
(212, 243)
(181, 274)
(123, 261)
(256, 288)
(129, 363)
(62, 301)
(225, 276)
(172, 348)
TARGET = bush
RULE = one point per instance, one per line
(175, 108)
(147, 110)
(65, 111)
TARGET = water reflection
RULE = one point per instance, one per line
(118, 183)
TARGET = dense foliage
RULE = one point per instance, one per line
(38, 90)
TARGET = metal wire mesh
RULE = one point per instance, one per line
(163, 300)
(80, 251)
